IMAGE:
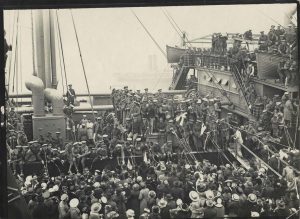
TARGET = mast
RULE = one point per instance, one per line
(53, 51)
(39, 44)
(45, 47)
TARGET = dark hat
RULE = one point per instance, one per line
(169, 197)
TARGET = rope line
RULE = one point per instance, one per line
(177, 26)
(14, 45)
(61, 48)
(149, 34)
(82, 64)
(60, 58)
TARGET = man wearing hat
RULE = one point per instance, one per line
(71, 95)
(210, 211)
(145, 95)
(32, 154)
(283, 48)
(263, 41)
(281, 210)
(83, 152)
(58, 141)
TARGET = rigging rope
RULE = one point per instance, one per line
(171, 23)
(14, 45)
(296, 127)
(149, 34)
(83, 68)
(174, 22)
(16, 54)
(61, 48)
(60, 60)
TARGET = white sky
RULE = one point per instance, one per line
(116, 49)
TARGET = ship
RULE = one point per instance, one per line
(217, 76)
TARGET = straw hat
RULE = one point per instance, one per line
(96, 207)
(209, 202)
(219, 203)
(209, 195)
(252, 198)
(130, 213)
(103, 200)
(235, 197)
(162, 203)
(44, 186)
(179, 202)
(74, 203)
(64, 197)
(46, 194)
(194, 196)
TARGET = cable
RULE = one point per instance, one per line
(177, 26)
(61, 47)
(60, 58)
(179, 34)
(83, 68)
(10, 63)
(149, 34)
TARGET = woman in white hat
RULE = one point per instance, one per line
(195, 206)
(74, 211)
(63, 207)
(220, 208)
(95, 208)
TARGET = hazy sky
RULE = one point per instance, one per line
(116, 49)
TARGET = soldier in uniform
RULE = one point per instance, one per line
(72, 152)
(71, 95)
(58, 141)
(159, 96)
(12, 139)
(263, 41)
(32, 154)
(197, 135)
(136, 127)
(49, 138)
(98, 128)
(84, 151)
(17, 158)
(145, 96)
(272, 38)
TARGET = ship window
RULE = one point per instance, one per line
(218, 80)
(233, 86)
(225, 82)
(204, 77)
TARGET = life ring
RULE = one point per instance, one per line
(250, 69)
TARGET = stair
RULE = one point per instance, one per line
(180, 81)
(240, 82)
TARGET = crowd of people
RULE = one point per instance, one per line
(162, 184)
(154, 138)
